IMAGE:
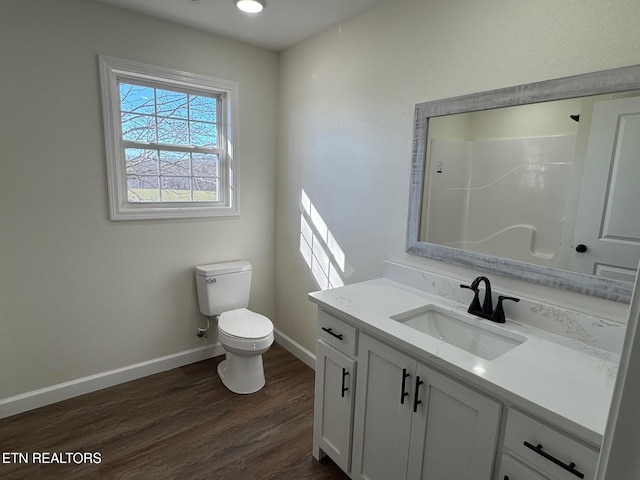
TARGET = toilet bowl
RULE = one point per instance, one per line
(223, 293)
(245, 336)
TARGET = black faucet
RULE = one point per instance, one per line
(486, 309)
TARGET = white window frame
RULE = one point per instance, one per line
(112, 70)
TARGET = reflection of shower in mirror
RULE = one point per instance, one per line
(500, 197)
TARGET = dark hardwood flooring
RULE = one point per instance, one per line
(180, 424)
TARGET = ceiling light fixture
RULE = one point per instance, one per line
(251, 6)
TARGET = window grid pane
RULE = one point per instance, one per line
(169, 176)
(159, 116)
(143, 188)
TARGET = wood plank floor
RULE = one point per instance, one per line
(180, 424)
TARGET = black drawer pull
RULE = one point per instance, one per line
(569, 468)
(417, 402)
(506, 477)
(344, 375)
(403, 393)
(331, 332)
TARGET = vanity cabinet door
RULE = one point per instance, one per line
(383, 411)
(454, 430)
(333, 407)
(414, 423)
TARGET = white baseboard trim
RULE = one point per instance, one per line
(74, 388)
(62, 391)
(296, 349)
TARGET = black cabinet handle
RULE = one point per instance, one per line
(581, 248)
(331, 332)
(403, 393)
(569, 468)
(506, 477)
(344, 375)
(417, 402)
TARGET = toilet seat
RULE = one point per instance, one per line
(245, 346)
(243, 324)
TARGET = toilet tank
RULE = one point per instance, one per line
(223, 286)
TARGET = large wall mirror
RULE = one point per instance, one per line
(539, 182)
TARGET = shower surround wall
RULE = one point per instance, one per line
(504, 197)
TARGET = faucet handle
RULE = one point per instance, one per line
(475, 303)
(498, 315)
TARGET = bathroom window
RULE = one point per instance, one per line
(169, 142)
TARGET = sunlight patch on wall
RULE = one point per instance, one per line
(319, 248)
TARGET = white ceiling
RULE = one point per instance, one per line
(281, 24)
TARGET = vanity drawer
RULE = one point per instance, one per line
(337, 333)
(514, 470)
(549, 450)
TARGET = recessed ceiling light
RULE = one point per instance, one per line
(251, 6)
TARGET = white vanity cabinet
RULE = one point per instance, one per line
(547, 451)
(402, 418)
(412, 422)
(334, 390)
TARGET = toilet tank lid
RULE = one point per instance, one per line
(223, 268)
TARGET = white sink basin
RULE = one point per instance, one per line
(467, 333)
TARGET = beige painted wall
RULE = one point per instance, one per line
(80, 294)
(346, 111)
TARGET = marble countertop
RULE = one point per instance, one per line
(567, 383)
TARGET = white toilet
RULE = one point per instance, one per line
(223, 291)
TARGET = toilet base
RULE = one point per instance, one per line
(242, 374)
